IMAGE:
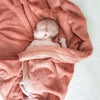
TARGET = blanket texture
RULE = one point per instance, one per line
(18, 19)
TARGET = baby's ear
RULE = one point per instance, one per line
(47, 34)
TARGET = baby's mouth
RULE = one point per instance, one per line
(45, 35)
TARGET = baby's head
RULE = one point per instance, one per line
(46, 28)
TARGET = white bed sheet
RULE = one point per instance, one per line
(85, 84)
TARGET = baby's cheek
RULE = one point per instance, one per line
(39, 35)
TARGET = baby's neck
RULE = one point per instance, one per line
(45, 39)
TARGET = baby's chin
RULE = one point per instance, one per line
(38, 38)
(41, 38)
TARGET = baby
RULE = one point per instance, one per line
(46, 31)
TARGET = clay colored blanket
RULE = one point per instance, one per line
(50, 68)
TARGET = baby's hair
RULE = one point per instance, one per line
(49, 25)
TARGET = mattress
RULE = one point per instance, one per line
(85, 84)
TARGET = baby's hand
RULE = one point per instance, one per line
(62, 40)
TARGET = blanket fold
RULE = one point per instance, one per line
(64, 55)
(18, 19)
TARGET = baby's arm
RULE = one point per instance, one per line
(62, 41)
(31, 45)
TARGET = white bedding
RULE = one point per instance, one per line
(85, 84)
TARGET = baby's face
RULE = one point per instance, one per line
(46, 29)
(41, 34)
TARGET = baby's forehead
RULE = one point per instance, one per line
(47, 22)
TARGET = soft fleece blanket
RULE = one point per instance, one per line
(18, 19)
